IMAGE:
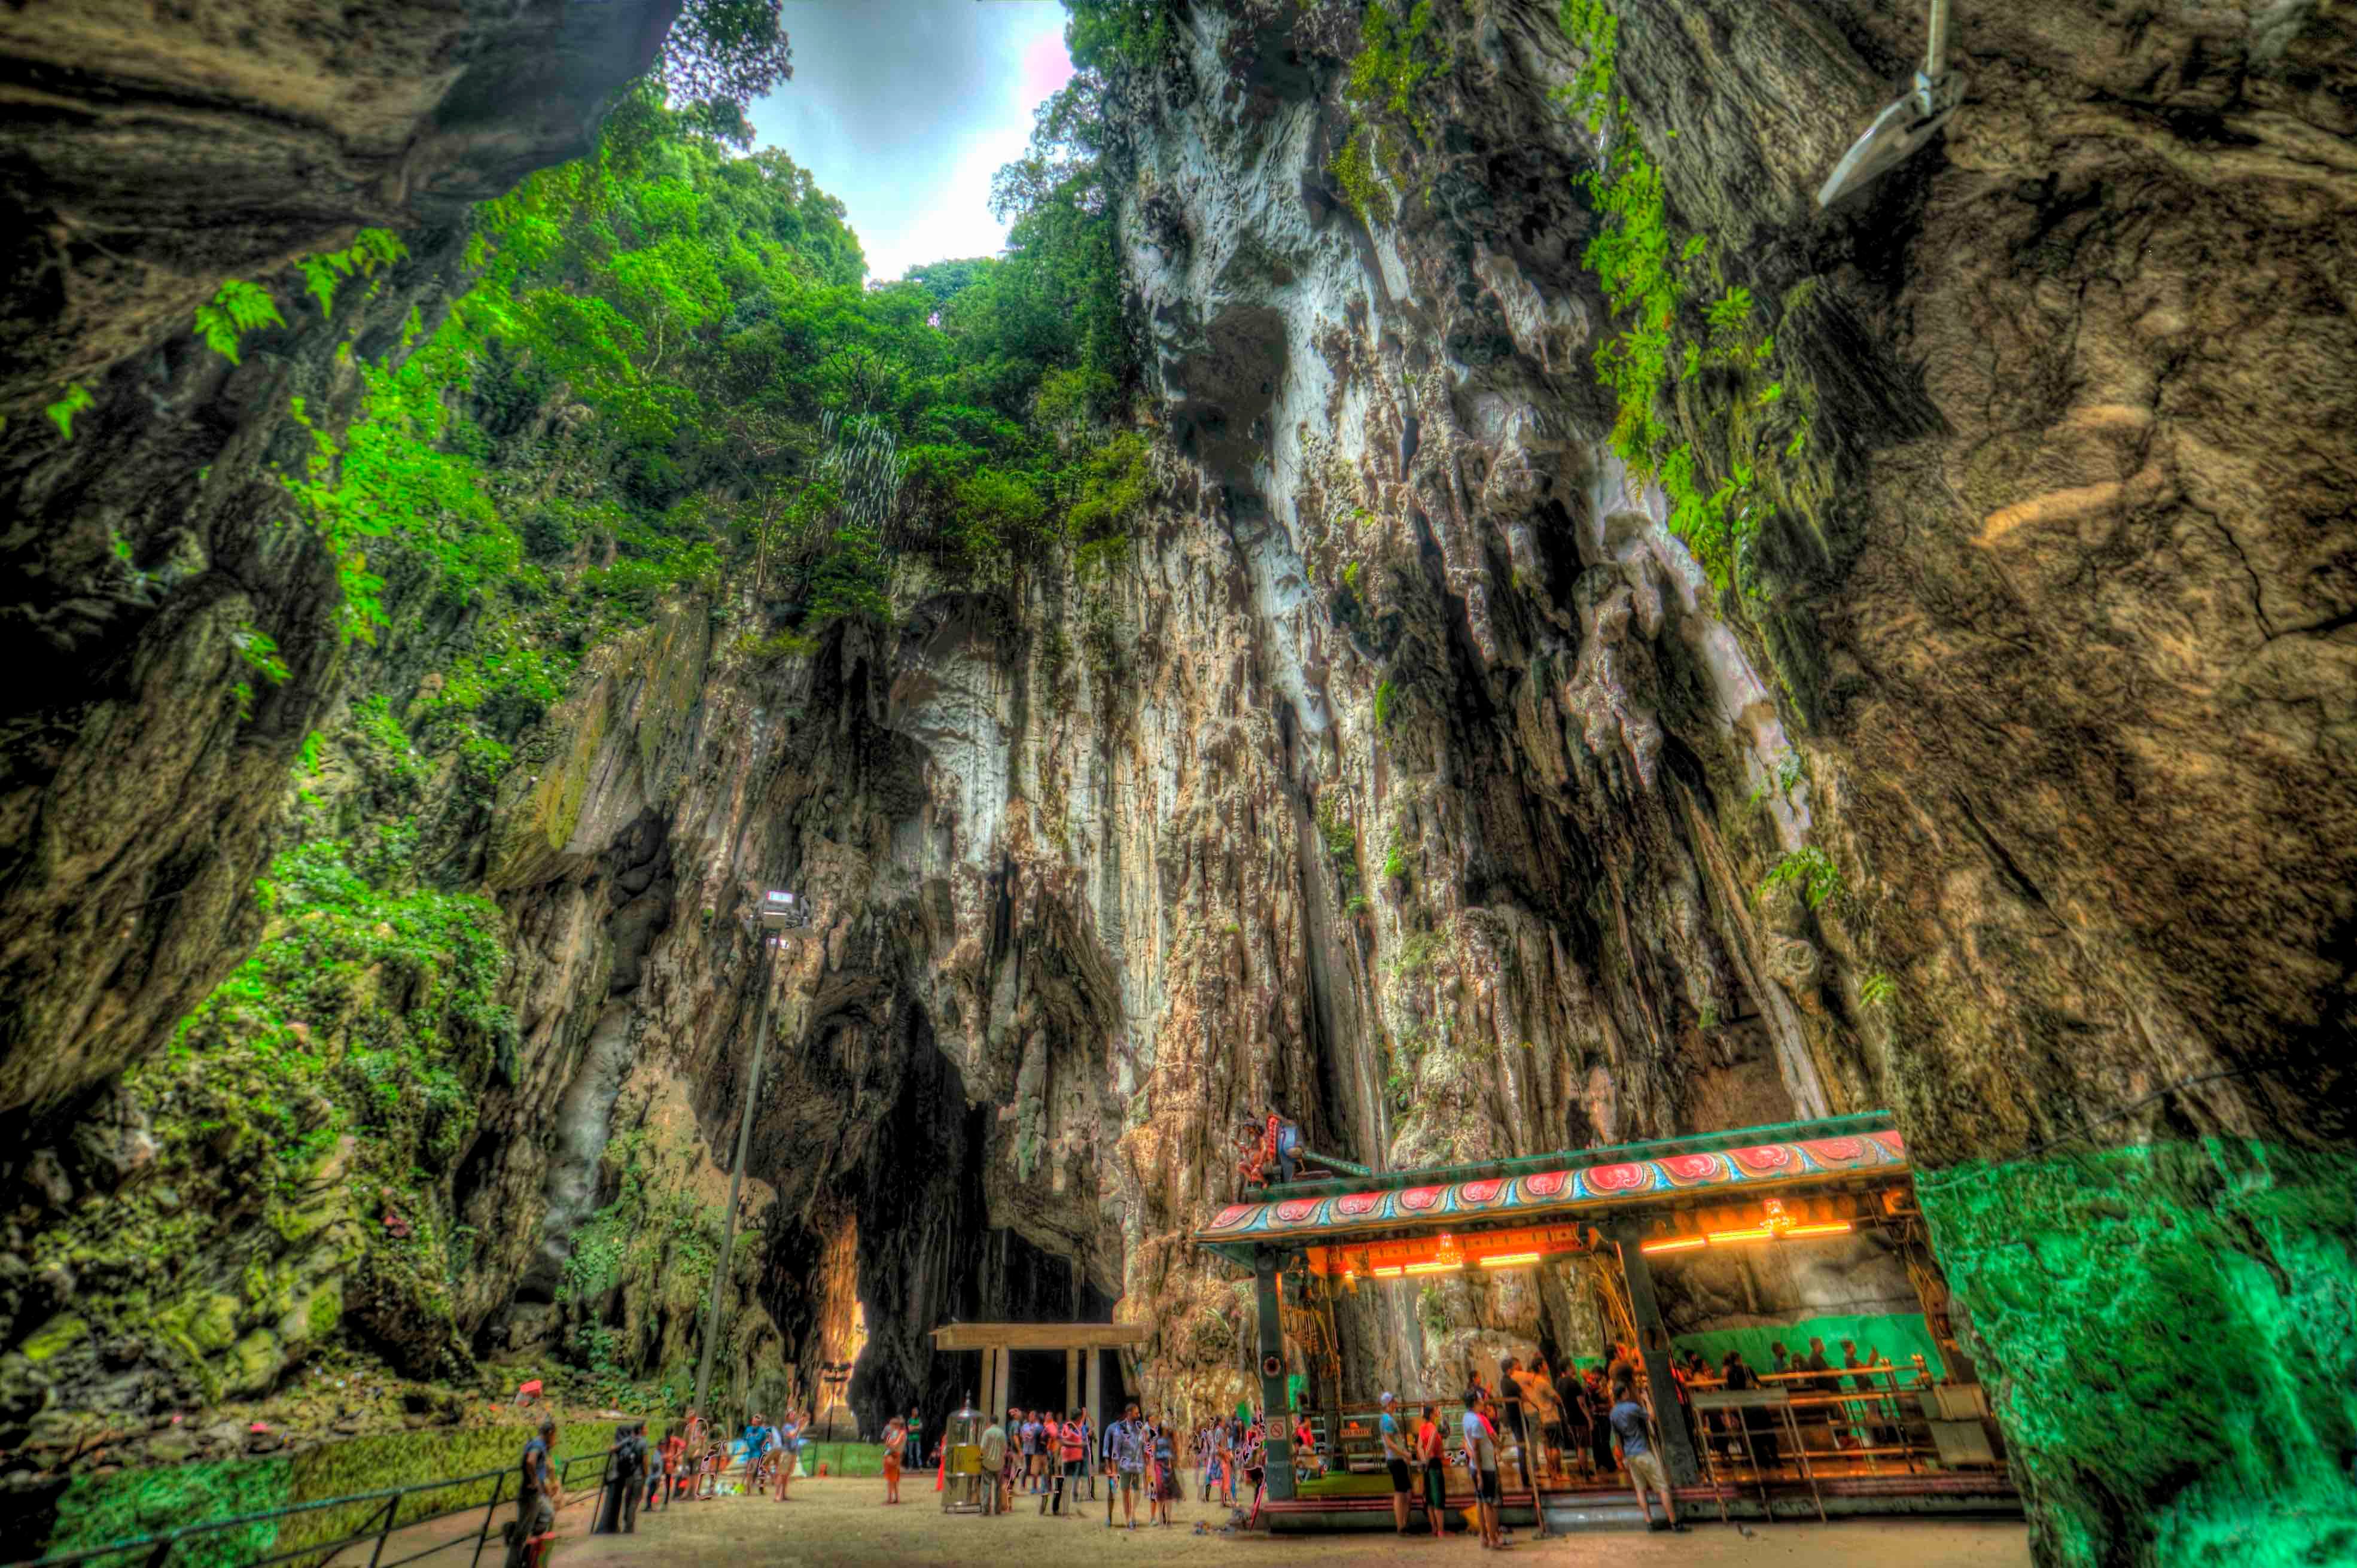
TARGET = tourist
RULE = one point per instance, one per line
(1637, 1458)
(1596, 1402)
(1827, 1381)
(716, 1461)
(1432, 1454)
(789, 1431)
(757, 1449)
(1817, 1363)
(896, 1440)
(1124, 1462)
(1783, 1360)
(1088, 1448)
(1052, 1466)
(1395, 1456)
(1852, 1364)
(913, 1446)
(538, 1493)
(1570, 1399)
(1481, 1461)
(993, 1462)
(631, 1466)
(608, 1516)
(1071, 1459)
(1035, 1468)
(1545, 1418)
(1759, 1425)
(677, 1458)
(1012, 1471)
(1255, 1466)
(1515, 1425)
(1166, 1471)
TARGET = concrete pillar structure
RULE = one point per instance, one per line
(1072, 1379)
(1653, 1345)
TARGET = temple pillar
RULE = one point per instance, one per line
(1272, 1377)
(1653, 1345)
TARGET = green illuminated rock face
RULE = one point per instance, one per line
(2173, 1324)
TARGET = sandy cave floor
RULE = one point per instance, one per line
(842, 1523)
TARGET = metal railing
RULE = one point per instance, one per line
(384, 1521)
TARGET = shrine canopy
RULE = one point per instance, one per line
(1796, 1180)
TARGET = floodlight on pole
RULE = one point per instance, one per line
(1903, 128)
(786, 916)
(784, 919)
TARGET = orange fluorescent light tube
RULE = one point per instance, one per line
(1681, 1244)
(1508, 1259)
(1391, 1273)
(1721, 1238)
(1837, 1227)
(1431, 1268)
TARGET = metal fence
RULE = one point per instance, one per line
(382, 1511)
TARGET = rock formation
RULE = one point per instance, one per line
(1428, 770)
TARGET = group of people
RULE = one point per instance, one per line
(1228, 1450)
(688, 1461)
(1055, 1457)
(772, 1453)
(1532, 1412)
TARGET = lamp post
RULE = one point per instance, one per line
(784, 919)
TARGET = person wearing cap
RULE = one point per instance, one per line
(1395, 1452)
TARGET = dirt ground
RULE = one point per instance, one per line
(843, 1524)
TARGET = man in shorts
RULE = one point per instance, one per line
(1481, 1459)
(537, 1496)
(1035, 1466)
(1396, 1453)
(1125, 1455)
(1644, 1466)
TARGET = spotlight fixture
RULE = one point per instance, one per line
(1902, 128)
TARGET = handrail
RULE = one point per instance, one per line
(161, 1547)
(1855, 1122)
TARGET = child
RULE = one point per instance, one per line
(895, 1432)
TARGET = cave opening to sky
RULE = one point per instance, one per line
(905, 109)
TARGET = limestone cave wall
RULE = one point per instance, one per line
(1416, 774)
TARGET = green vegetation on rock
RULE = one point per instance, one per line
(1698, 409)
(1399, 56)
(315, 1104)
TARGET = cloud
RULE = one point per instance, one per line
(904, 108)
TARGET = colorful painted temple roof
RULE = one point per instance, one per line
(1599, 1183)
